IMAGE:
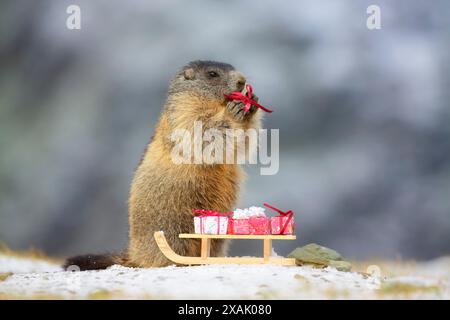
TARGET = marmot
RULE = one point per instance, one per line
(163, 193)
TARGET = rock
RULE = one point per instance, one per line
(315, 253)
(319, 256)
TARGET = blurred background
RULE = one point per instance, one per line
(364, 116)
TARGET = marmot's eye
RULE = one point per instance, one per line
(213, 74)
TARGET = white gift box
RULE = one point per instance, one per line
(211, 224)
(248, 212)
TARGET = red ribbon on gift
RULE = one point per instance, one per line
(247, 99)
(288, 214)
(210, 213)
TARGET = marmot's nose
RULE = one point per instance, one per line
(239, 80)
(240, 83)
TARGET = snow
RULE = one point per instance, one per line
(23, 265)
(190, 282)
(32, 277)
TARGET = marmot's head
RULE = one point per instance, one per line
(196, 94)
(208, 79)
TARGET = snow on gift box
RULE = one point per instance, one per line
(249, 221)
(210, 222)
(282, 224)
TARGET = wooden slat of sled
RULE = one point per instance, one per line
(238, 236)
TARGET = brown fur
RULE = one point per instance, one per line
(162, 193)
(92, 262)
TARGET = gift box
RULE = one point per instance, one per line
(210, 222)
(238, 226)
(282, 224)
(249, 221)
(259, 225)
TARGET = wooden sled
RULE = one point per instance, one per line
(205, 248)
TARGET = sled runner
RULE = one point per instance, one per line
(205, 248)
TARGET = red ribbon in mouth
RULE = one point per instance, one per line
(247, 99)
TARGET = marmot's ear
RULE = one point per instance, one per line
(189, 74)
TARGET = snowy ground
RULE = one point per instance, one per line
(33, 278)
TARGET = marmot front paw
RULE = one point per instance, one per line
(236, 108)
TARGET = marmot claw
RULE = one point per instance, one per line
(236, 108)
